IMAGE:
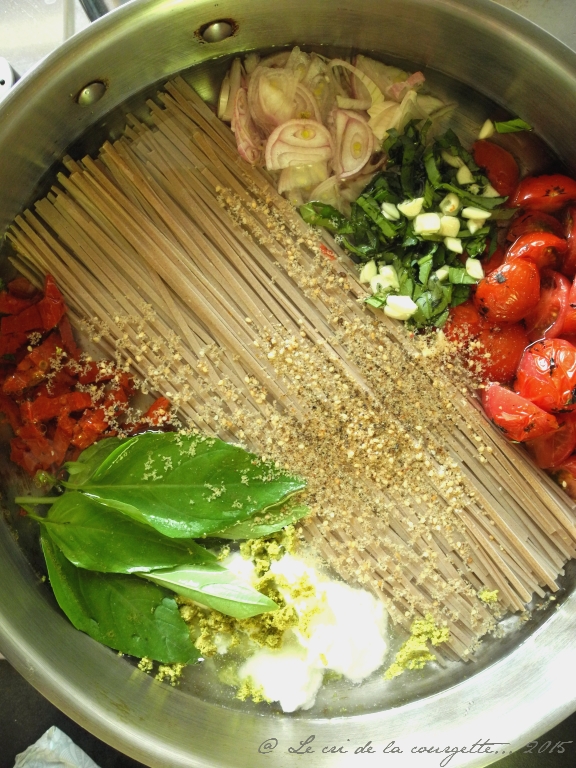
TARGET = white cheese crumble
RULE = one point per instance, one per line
(346, 634)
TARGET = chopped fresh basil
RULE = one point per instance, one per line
(512, 126)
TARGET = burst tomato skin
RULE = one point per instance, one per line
(495, 261)
(464, 322)
(509, 293)
(569, 261)
(516, 417)
(565, 476)
(501, 168)
(547, 375)
(501, 349)
(569, 322)
(552, 450)
(545, 193)
(533, 221)
(540, 247)
(548, 317)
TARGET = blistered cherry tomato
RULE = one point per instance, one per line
(548, 317)
(569, 262)
(545, 193)
(500, 351)
(533, 221)
(495, 261)
(565, 476)
(515, 416)
(509, 293)
(553, 449)
(501, 168)
(569, 322)
(463, 322)
(540, 247)
(547, 375)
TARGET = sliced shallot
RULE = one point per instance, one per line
(399, 90)
(354, 142)
(376, 94)
(306, 106)
(271, 97)
(298, 142)
(248, 139)
(302, 176)
(235, 83)
(328, 192)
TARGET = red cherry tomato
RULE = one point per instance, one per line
(540, 247)
(463, 322)
(569, 323)
(548, 317)
(501, 168)
(509, 293)
(516, 417)
(565, 476)
(553, 449)
(569, 262)
(533, 221)
(545, 193)
(501, 349)
(495, 261)
(547, 375)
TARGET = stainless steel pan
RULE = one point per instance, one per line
(521, 685)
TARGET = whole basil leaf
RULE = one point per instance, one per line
(99, 538)
(186, 486)
(90, 459)
(272, 520)
(216, 587)
(123, 612)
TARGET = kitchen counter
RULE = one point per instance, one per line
(29, 30)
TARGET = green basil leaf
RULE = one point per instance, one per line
(322, 215)
(424, 268)
(372, 210)
(440, 320)
(215, 587)
(186, 486)
(90, 459)
(272, 520)
(459, 276)
(123, 612)
(99, 538)
(460, 294)
(512, 126)
(434, 176)
(474, 200)
(374, 301)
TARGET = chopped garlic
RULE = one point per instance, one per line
(368, 271)
(474, 225)
(400, 307)
(471, 212)
(442, 273)
(390, 212)
(450, 205)
(384, 282)
(487, 130)
(464, 175)
(411, 208)
(390, 276)
(427, 224)
(453, 244)
(489, 191)
(449, 226)
(452, 160)
(474, 269)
